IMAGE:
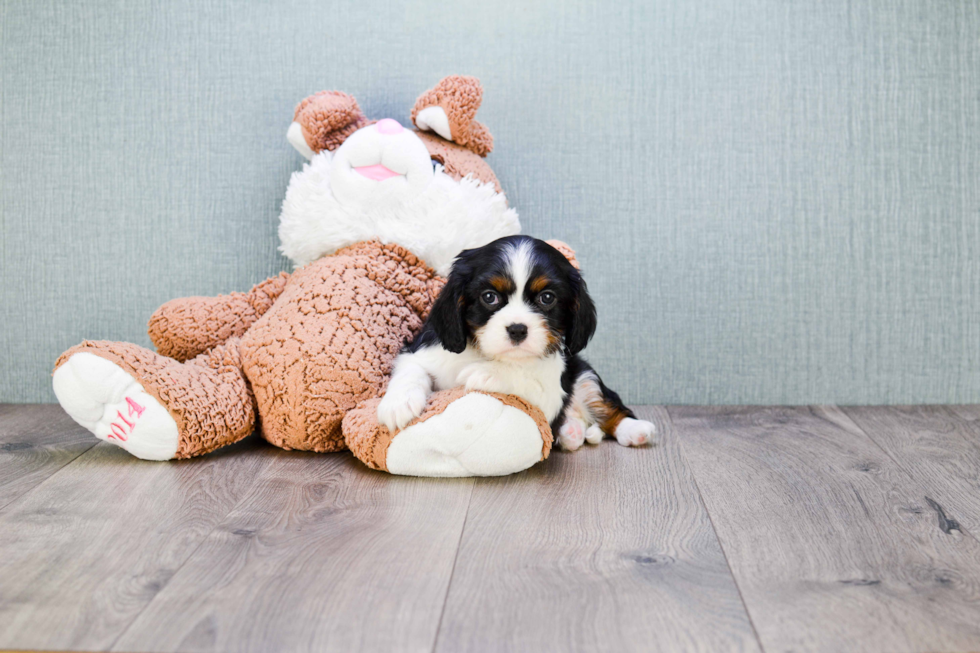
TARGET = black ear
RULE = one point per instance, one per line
(582, 321)
(446, 317)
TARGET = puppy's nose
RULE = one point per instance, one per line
(517, 333)
(389, 127)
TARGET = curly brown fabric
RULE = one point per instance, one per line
(328, 343)
(366, 438)
(458, 161)
(183, 328)
(565, 251)
(208, 397)
(328, 118)
(459, 96)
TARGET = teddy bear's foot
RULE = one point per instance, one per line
(155, 407)
(477, 435)
(458, 434)
(110, 403)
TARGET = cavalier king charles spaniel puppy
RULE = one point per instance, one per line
(512, 318)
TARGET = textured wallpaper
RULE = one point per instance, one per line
(774, 201)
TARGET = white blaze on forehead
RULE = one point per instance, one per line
(520, 263)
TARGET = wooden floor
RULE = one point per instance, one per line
(755, 529)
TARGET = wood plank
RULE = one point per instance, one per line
(322, 555)
(937, 445)
(603, 549)
(831, 543)
(35, 442)
(84, 552)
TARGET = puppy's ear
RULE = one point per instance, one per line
(446, 316)
(582, 321)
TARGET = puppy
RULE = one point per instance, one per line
(512, 318)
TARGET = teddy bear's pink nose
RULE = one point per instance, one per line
(388, 127)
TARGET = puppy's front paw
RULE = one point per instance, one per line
(635, 432)
(571, 435)
(401, 406)
(476, 376)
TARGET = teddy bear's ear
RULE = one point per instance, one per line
(449, 110)
(565, 251)
(323, 121)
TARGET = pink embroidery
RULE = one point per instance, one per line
(134, 407)
(117, 431)
(120, 434)
(128, 423)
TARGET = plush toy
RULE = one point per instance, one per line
(371, 222)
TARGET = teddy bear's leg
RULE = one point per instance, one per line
(155, 407)
(459, 433)
(186, 327)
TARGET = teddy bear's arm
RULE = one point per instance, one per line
(186, 327)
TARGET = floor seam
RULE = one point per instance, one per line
(714, 529)
(912, 477)
(4, 507)
(452, 573)
(873, 441)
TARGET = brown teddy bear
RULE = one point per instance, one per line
(371, 222)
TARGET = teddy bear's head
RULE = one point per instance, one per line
(428, 190)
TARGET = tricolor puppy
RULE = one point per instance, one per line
(512, 318)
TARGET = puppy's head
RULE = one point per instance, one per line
(517, 297)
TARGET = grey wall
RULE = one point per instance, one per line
(775, 201)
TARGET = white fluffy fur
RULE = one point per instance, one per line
(434, 220)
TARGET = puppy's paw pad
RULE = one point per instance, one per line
(594, 434)
(571, 435)
(635, 432)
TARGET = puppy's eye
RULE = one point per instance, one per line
(490, 298)
(546, 299)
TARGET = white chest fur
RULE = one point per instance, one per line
(536, 380)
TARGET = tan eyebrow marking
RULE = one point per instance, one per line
(539, 283)
(503, 285)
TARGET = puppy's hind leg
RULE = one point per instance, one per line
(594, 434)
(611, 415)
(633, 432)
